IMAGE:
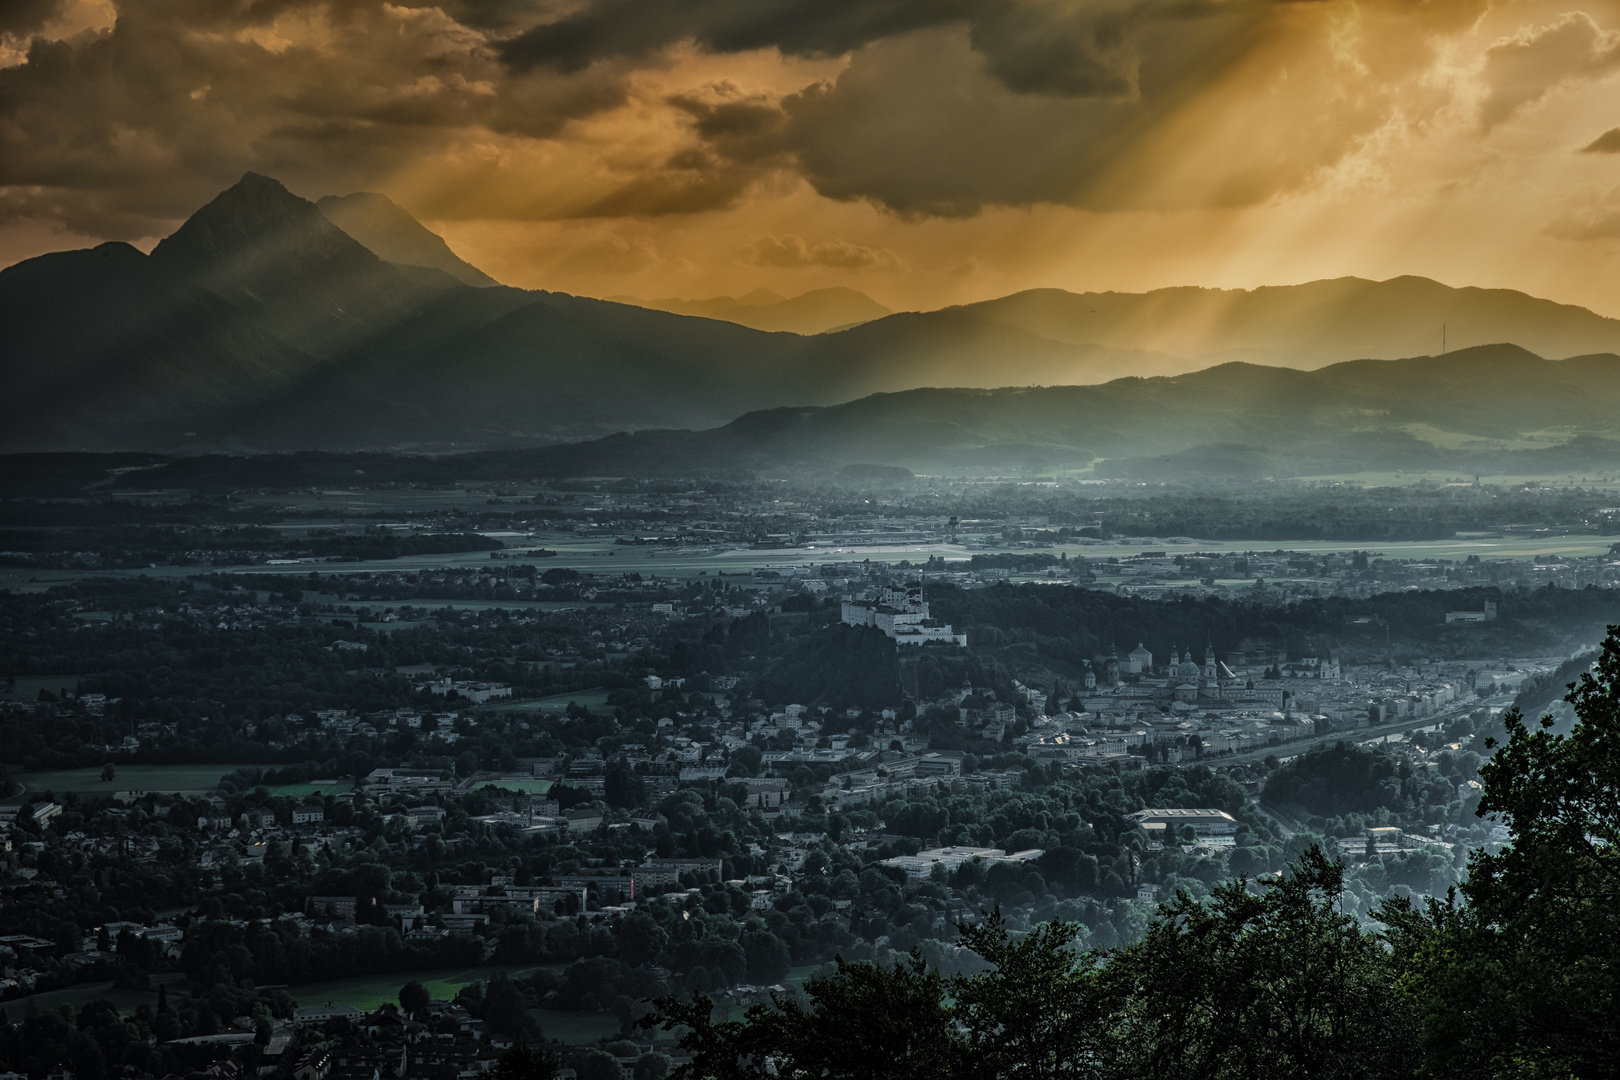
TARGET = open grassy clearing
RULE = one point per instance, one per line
(27, 687)
(527, 787)
(159, 778)
(590, 699)
(370, 991)
(77, 997)
(298, 791)
(576, 1028)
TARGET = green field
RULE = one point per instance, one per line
(363, 992)
(369, 991)
(576, 1028)
(163, 778)
(298, 791)
(76, 997)
(528, 787)
(590, 699)
(27, 687)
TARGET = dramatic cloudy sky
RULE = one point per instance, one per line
(925, 151)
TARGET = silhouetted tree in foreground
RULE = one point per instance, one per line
(1520, 976)
(523, 1062)
(1514, 977)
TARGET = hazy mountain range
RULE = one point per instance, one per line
(814, 312)
(267, 322)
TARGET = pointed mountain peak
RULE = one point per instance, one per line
(390, 231)
(277, 257)
(253, 229)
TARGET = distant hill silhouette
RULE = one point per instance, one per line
(388, 229)
(261, 325)
(814, 312)
(1235, 421)
(1306, 326)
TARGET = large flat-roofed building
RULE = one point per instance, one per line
(1204, 822)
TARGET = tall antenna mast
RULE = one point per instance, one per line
(1442, 339)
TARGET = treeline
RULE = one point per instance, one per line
(1516, 974)
(217, 952)
(1066, 625)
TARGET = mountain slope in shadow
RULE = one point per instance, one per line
(388, 229)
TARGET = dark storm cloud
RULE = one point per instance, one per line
(938, 107)
(117, 134)
(23, 17)
(1088, 104)
(1032, 46)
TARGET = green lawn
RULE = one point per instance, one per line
(590, 699)
(164, 778)
(577, 1028)
(369, 991)
(27, 687)
(527, 787)
(76, 997)
(362, 991)
(298, 791)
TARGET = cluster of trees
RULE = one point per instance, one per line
(99, 1042)
(1517, 973)
(839, 666)
(1347, 778)
(1060, 627)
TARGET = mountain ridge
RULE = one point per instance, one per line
(1168, 428)
(1306, 325)
(818, 311)
(260, 325)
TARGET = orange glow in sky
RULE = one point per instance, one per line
(925, 153)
